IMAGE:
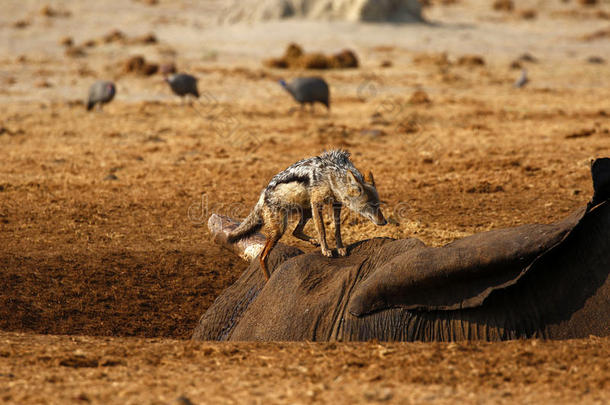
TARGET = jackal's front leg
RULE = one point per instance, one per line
(316, 209)
(337, 217)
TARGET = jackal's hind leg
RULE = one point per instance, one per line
(337, 217)
(275, 225)
(269, 244)
(319, 222)
(298, 231)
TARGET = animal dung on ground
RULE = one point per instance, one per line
(596, 60)
(66, 41)
(516, 65)
(503, 5)
(437, 59)
(48, 11)
(583, 133)
(120, 37)
(20, 24)
(314, 61)
(295, 58)
(419, 97)
(599, 34)
(528, 14)
(138, 65)
(146, 39)
(526, 57)
(114, 36)
(75, 51)
(471, 60)
(344, 59)
(43, 84)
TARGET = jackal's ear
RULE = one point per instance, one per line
(370, 179)
(355, 187)
(352, 179)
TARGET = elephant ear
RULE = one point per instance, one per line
(600, 170)
(464, 273)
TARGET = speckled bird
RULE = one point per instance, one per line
(100, 92)
(183, 84)
(308, 90)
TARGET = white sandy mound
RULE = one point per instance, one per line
(349, 10)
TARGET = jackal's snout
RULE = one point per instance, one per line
(380, 219)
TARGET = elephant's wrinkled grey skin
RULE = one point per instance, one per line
(546, 281)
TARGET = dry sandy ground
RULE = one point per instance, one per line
(124, 262)
(59, 369)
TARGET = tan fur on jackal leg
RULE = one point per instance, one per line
(337, 217)
(269, 244)
(275, 226)
(298, 231)
(319, 222)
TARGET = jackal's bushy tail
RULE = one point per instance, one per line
(250, 225)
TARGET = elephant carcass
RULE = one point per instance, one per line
(546, 281)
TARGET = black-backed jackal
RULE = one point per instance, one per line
(304, 188)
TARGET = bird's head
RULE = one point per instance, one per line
(110, 88)
(282, 83)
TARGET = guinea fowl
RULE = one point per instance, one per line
(308, 90)
(100, 92)
(522, 80)
(183, 84)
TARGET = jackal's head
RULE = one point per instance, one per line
(361, 197)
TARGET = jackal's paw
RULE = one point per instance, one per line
(342, 251)
(327, 252)
(314, 242)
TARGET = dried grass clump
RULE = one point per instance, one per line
(295, 58)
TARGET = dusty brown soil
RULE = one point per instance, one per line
(59, 369)
(128, 255)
